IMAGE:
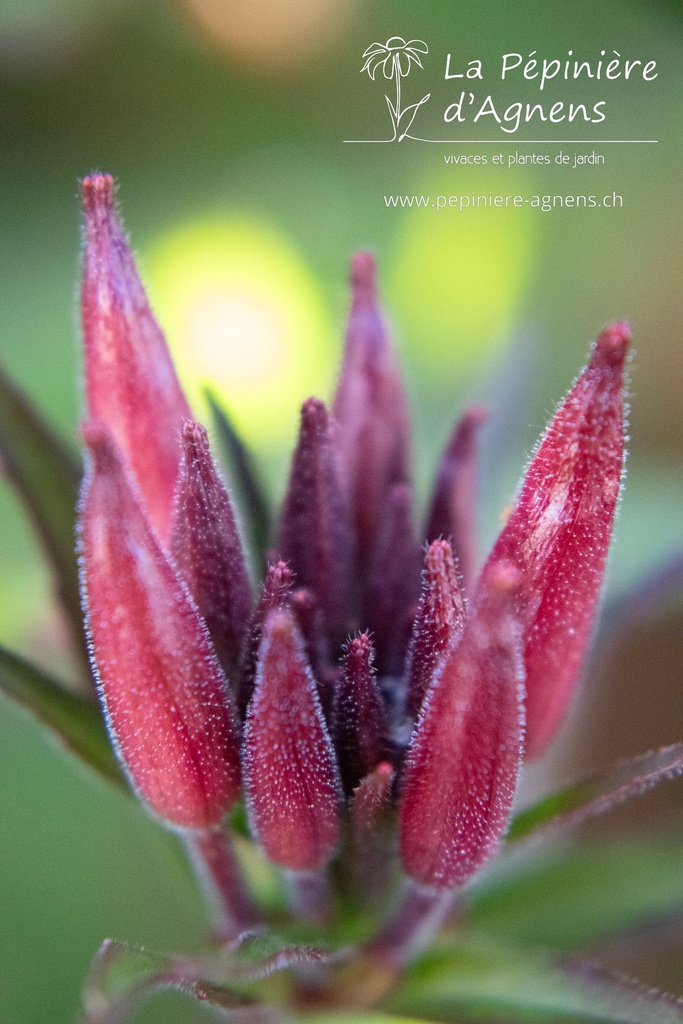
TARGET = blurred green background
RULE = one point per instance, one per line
(224, 121)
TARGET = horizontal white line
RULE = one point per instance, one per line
(518, 142)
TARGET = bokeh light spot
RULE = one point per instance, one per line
(269, 34)
(458, 276)
(243, 316)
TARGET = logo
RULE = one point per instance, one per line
(396, 57)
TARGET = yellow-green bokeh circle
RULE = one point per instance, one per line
(243, 315)
(457, 277)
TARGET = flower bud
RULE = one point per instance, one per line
(207, 549)
(392, 588)
(163, 691)
(372, 427)
(438, 624)
(464, 758)
(290, 769)
(315, 535)
(129, 377)
(453, 511)
(361, 730)
(559, 531)
(275, 593)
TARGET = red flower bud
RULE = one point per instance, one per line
(315, 536)
(361, 729)
(464, 758)
(438, 624)
(393, 582)
(372, 426)
(453, 513)
(275, 592)
(559, 531)
(129, 377)
(164, 694)
(290, 768)
(207, 550)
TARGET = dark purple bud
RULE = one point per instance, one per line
(372, 425)
(290, 769)
(207, 550)
(360, 720)
(393, 584)
(438, 624)
(275, 592)
(453, 512)
(308, 617)
(465, 755)
(315, 535)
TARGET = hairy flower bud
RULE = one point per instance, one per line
(163, 691)
(275, 593)
(438, 624)
(290, 768)
(315, 535)
(559, 531)
(464, 758)
(392, 589)
(372, 426)
(129, 377)
(453, 513)
(207, 549)
(360, 720)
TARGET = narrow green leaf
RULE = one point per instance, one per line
(262, 952)
(573, 898)
(599, 792)
(46, 475)
(76, 722)
(244, 477)
(123, 976)
(476, 980)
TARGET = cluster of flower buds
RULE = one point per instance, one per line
(372, 679)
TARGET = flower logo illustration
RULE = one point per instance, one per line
(396, 57)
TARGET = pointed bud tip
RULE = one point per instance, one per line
(360, 644)
(314, 414)
(194, 433)
(384, 769)
(99, 440)
(438, 554)
(613, 343)
(97, 191)
(363, 278)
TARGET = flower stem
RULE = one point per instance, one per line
(411, 927)
(309, 895)
(216, 870)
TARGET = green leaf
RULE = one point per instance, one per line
(46, 475)
(477, 979)
(598, 793)
(123, 976)
(576, 897)
(76, 722)
(243, 475)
